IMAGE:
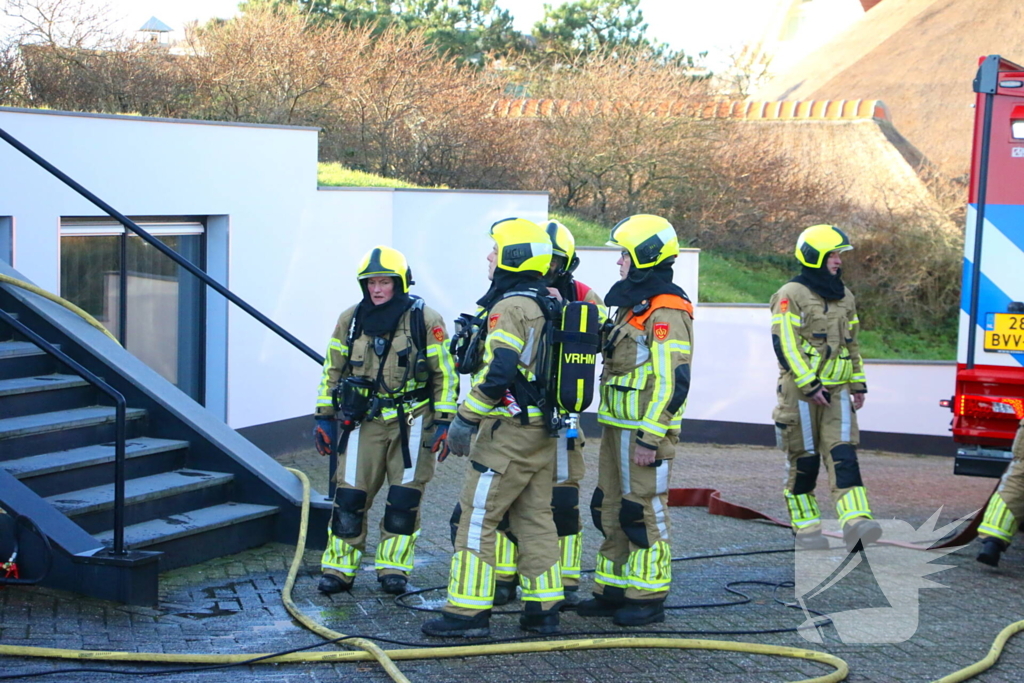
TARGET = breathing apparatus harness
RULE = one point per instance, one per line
(566, 355)
(359, 398)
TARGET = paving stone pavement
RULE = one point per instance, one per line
(233, 604)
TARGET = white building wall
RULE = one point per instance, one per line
(291, 250)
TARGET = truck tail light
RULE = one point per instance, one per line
(1017, 122)
(990, 406)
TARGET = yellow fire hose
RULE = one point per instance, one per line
(371, 651)
(58, 300)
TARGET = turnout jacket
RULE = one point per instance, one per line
(515, 327)
(399, 365)
(645, 378)
(815, 339)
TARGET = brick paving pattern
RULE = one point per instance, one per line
(233, 604)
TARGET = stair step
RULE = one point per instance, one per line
(13, 349)
(136, 491)
(20, 359)
(187, 524)
(29, 385)
(41, 423)
(88, 456)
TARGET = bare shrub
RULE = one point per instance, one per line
(271, 66)
(617, 146)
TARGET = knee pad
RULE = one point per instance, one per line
(806, 474)
(596, 501)
(349, 510)
(453, 523)
(565, 501)
(400, 513)
(844, 459)
(631, 519)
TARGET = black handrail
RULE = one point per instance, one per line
(119, 407)
(163, 248)
(174, 256)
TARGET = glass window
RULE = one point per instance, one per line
(165, 303)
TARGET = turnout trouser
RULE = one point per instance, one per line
(565, 499)
(810, 434)
(1006, 507)
(511, 471)
(630, 508)
(375, 451)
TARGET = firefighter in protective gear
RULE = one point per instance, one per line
(393, 350)
(1005, 508)
(644, 384)
(569, 467)
(821, 386)
(512, 459)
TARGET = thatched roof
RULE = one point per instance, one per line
(850, 143)
(920, 56)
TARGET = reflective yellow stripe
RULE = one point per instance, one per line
(340, 556)
(572, 555)
(505, 552)
(650, 569)
(397, 552)
(605, 573)
(663, 386)
(998, 521)
(803, 509)
(506, 338)
(471, 582)
(546, 587)
(853, 504)
(449, 378)
(803, 373)
(476, 406)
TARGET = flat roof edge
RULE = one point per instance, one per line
(351, 188)
(156, 119)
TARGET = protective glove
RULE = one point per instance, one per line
(325, 435)
(439, 445)
(460, 435)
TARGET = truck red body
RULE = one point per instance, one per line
(989, 399)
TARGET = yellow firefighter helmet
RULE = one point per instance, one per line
(648, 239)
(817, 242)
(384, 261)
(523, 246)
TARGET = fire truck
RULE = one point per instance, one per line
(989, 399)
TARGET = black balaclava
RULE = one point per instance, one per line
(506, 281)
(377, 320)
(642, 284)
(821, 282)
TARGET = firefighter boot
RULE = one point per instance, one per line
(598, 606)
(331, 584)
(991, 549)
(860, 532)
(504, 592)
(641, 613)
(458, 626)
(393, 584)
(811, 541)
(544, 623)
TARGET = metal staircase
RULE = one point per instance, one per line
(120, 473)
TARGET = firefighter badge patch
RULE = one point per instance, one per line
(438, 334)
(492, 322)
(661, 331)
(784, 305)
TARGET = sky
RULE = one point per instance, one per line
(718, 26)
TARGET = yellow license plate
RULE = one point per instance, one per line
(1007, 333)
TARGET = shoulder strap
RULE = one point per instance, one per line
(418, 324)
(672, 301)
